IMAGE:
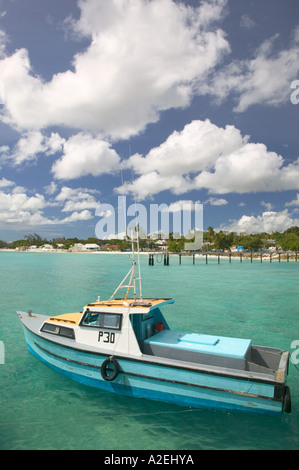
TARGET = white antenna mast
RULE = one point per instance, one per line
(138, 250)
(134, 263)
(132, 271)
(124, 206)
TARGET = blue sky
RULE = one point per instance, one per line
(164, 101)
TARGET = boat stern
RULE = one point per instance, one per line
(281, 378)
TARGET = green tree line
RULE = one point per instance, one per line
(287, 241)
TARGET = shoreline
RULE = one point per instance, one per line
(9, 250)
(291, 255)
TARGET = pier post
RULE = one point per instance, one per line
(287, 256)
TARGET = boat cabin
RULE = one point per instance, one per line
(117, 326)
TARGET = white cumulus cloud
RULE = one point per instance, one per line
(263, 79)
(78, 199)
(295, 202)
(30, 145)
(268, 222)
(17, 208)
(84, 155)
(20, 210)
(205, 156)
(144, 57)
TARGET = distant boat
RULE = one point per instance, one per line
(124, 345)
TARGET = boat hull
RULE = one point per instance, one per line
(144, 378)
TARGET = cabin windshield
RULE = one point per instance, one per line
(110, 321)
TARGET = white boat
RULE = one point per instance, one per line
(125, 345)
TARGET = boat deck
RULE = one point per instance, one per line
(207, 349)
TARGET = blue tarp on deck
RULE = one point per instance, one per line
(206, 344)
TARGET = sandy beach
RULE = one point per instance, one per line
(240, 256)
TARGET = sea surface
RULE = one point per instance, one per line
(40, 409)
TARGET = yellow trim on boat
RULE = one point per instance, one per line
(67, 318)
(138, 304)
(74, 318)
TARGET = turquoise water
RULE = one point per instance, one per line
(40, 409)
